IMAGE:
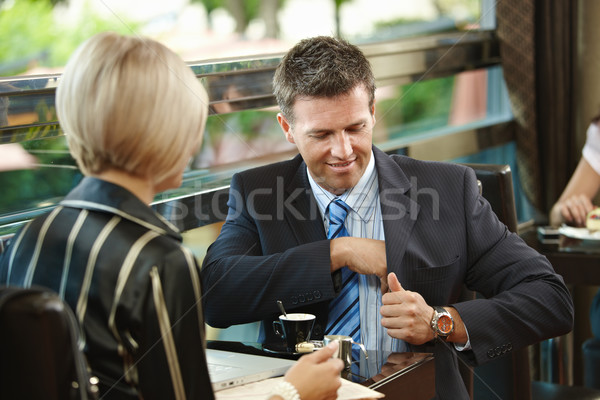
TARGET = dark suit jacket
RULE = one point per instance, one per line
(440, 233)
(116, 254)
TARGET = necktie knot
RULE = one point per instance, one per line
(338, 210)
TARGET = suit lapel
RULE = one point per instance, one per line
(399, 212)
(300, 208)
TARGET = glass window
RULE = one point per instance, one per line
(242, 130)
(40, 35)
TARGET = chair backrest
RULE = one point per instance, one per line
(39, 353)
(497, 188)
(506, 377)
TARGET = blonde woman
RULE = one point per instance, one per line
(133, 114)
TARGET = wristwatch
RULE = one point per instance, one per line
(442, 323)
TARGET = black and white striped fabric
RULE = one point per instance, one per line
(134, 288)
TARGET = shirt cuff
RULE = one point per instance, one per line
(464, 346)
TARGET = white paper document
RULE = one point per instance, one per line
(262, 389)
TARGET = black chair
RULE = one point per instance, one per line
(510, 377)
(506, 377)
(39, 353)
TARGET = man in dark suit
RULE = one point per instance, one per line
(412, 234)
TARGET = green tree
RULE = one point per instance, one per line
(32, 36)
(27, 31)
(244, 11)
(446, 7)
(53, 2)
(210, 6)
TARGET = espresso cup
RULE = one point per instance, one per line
(294, 328)
(344, 351)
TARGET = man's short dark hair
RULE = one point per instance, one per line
(321, 66)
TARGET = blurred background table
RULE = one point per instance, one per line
(576, 267)
(562, 361)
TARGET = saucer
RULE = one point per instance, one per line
(281, 350)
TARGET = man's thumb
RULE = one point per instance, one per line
(394, 283)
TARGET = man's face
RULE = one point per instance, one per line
(334, 137)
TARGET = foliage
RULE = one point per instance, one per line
(425, 99)
(27, 29)
(243, 11)
(472, 8)
(30, 189)
(89, 23)
(338, 24)
(251, 7)
(34, 37)
(210, 5)
(417, 106)
(338, 3)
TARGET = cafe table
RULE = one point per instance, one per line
(401, 375)
(578, 262)
(578, 265)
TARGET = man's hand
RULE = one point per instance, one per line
(363, 256)
(406, 315)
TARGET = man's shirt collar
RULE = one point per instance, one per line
(359, 198)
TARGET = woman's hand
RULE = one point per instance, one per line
(572, 210)
(576, 201)
(317, 376)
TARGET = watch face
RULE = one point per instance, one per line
(444, 325)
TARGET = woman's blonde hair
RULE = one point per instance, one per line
(132, 104)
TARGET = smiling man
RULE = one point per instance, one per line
(334, 137)
(378, 247)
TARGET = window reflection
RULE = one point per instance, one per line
(238, 139)
(235, 92)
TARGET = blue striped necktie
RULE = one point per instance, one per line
(344, 311)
